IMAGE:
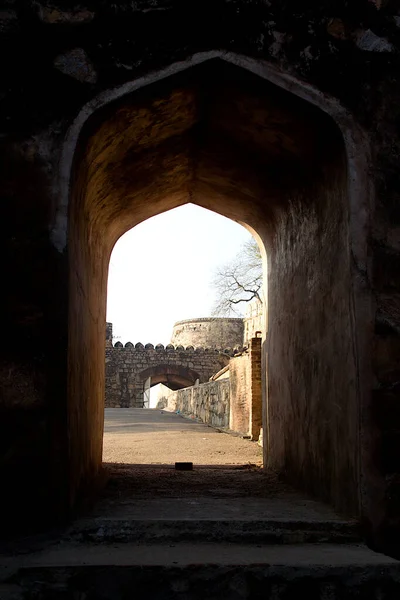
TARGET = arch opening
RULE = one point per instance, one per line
(218, 136)
(172, 376)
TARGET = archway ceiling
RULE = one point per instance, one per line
(173, 382)
(214, 134)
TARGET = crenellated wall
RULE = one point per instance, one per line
(109, 335)
(128, 367)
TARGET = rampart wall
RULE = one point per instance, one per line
(128, 367)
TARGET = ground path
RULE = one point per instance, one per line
(151, 436)
(227, 481)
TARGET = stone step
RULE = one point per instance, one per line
(286, 520)
(11, 592)
(201, 571)
(271, 531)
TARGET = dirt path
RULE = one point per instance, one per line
(150, 436)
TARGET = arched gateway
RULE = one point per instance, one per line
(224, 137)
(295, 140)
(129, 368)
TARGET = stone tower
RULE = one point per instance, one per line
(208, 333)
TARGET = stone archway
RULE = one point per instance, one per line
(173, 376)
(226, 139)
(124, 367)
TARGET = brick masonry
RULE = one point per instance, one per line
(232, 401)
(176, 366)
(128, 367)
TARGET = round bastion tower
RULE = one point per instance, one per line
(208, 333)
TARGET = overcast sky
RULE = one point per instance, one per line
(161, 271)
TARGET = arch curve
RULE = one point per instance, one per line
(356, 141)
(173, 376)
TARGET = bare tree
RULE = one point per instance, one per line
(238, 281)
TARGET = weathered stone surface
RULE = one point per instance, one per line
(388, 314)
(338, 29)
(76, 64)
(8, 20)
(209, 333)
(21, 386)
(52, 14)
(379, 3)
(254, 323)
(386, 350)
(370, 42)
(147, 151)
(127, 369)
(231, 399)
(184, 569)
(386, 407)
(209, 402)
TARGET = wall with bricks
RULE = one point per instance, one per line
(128, 367)
(256, 389)
(109, 335)
(232, 399)
(246, 401)
(253, 321)
(239, 376)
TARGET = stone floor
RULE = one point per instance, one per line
(226, 494)
(231, 531)
(236, 489)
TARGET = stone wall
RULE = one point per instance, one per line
(129, 366)
(208, 402)
(102, 117)
(209, 333)
(109, 335)
(240, 408)
(245, 377)
(253, 322)
(312, 375)
(232, 399)
(256, 424)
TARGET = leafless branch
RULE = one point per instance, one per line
(238, 282)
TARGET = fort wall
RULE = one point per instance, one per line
(253, 322)
(208, 402)
(209, 332)
(129, 366)
(177, 365)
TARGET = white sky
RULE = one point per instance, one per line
(161, 271)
